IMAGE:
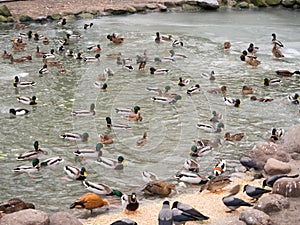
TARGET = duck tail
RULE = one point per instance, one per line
(78, 205)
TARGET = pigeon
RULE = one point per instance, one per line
(233, 203)
(271, 180)
(165, 216)
(124, 221)
(255, 192)
(188, 210)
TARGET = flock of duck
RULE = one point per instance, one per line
(180, 212)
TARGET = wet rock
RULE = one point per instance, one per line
(273, 2)
(25, 18)
(259, 3)
(3, 19)
(291, 140)
(189, 7)
(255, 217)
(288, 187)
(140, 7)
(288, 3)
(26, 217)
(131, 9)
(4, 11)
(162, 7)
(116, 11)
(274, 167)
(208, 4)
(85, 15)
(272, 203)
(151, 6)
(63, 218)
(295, 156)
(243, 5)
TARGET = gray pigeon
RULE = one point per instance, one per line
(233, 203)
(254, 192)
(271, 180)
(165, 216)
(124, 221)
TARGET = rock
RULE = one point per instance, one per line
(25, 18)
(274, 167)
(272, 203)
(115, 11)
(255, 217)
(243, 5)
(259, 3)
(63, 218)
(288, 3)
(151, 6)
(190, 7)
(10, 19)
(273, 2)
(208, 4)
(140, 7)
(131, 9)
(261, 152)
(298, 2)
(3, 19)
(295, 156)
(288, 187)
(26, 217)
(162, 7)
(85, 15)
(291, 140)
(4, 11)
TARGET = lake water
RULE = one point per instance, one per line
(171, 128)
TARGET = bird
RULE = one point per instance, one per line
(27, 100)
(220, 168)
(193, 89)
(86, 26)
(294, 99)
(252, 49)
(232, 102)
(211, 128)
(128, 111)
(177, 43)
(94, 48)
(265, 99)
(51, 63)
(85, 112)
(130, 203)
(113, 38)
(190, 177)
(38, 53)
(101, 189)
(250, 59)
(166, 100)
(183, 82)
(165, 215)
(286, 73)
(73, 36)
(254, 192)
(197, 151)
(52, 161)
(109, 124)
(5, 55)
(33, 168)
(215, 184)
(159, 187)
(149, 176)
(217, 117)
(157, 38)
(191, 165)
(124, 221)
(227, 46)
(272, 81)
(44, 69)
(75, 173)
(271, 180)
(96, 58)
(89, 201)
(105, 139)
(275, 41)
(247, 90)
(89, 153)
(233, 202)
(221, 90)
(142, 141)
(155, 71)
(112, 163)
(235, 137)
(167, 38)
(276, 51)
(103, 87)
(75, 136)
(14, 205)
(18, 83)
(49, 55)
(62, 22)
(276, 134)
(18, 112)
(175, 56)
(30, 155)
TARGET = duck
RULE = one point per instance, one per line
(34, 168)
(101, 86)
(149, 176)
(114, 55)
(19, 112)
(51, 63)
(94, 48)
(75, 173)
(159, 187)
(250, 60)
(294, 99)
(63, 42)
(255, 192)
(52, 161)
(38, 53)
(18, 60)
(112, 163)
(5, 55)
(177, 43)
(130, 203)
(220, 168)
(108, 71)
(48, 55)
(157, 38)
(216, 91)
(206, 142)
(46, 41)
(14, 205)
(191, 165)
(92, 59)
(193, 89)
(89, 153)
(124, 221)
(235, 137)
(142, 141)
(134, 117)
(73, 36)
(276, 134)
(226, 46)
(252, 49)
(89, 201)
(109, 124)
(184, 212)
(75, 136)
(167, 38)
(266, 99)
(211, 128)
(276, 52)
(163, 60)
(216, 118)
(86, 26)
(286, 73)
(276, 42)
(270, 181)
(190, 177)
(127, 111)
(27, 100)
(105, 139)
(101, 189)
(116, 40)
(127, 66)
(142, 65)
(154, 71)
(197, 151)
(159, 91)
(30, 155)
(62, 22)
(215, 184)
(247, 90)
(77, 56)
(232, 102)
(85, 112)
(62, 69)
(272, 81)
(183, 82)
(44, 69)
(177, 55)
(166, 100)
(16, 49)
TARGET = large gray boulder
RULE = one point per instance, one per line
(291, 140)
(63, 218)
(274, 167)
(26, 217)
(205, 4)
(288, 187)
(255, 217)
(272, 203)
(288, 3)
(273, 2)
(4, 11)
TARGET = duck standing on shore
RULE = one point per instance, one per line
(89, 201)
(130, 202)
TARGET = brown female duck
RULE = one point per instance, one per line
(159, 187)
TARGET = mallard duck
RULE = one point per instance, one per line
(89, 201)
(294, 99)
(247, 90)
(85, 112)
(159, 187)
(19, 112)
(191, 165)
(272, 81)
(164, 59)
(30, 155)
(157, 38)
(190, 177)
(52, 161)
(142, 141)
(127, 111)
(62, 69)
(250, 60)
(235, 137)
(193, 89)
(101, 189)
(92, 59)
(134, 117)
(142, 65)
(183, 82)
(158, 90)
(286, 73)
(27, 100)
(105, 139)
(149, 176)
(177, 43)
(78, 56)
(51, 63)
(232, 102)
(101, 86)
(62, 22)
(216, 184)
(205, 142)
(49, 55)
(89, 153)
(124, 221)
(266, 99)
(183, 212)
(210, 128)
(197, 151)
(255, 192)
(220, 168)
(34, 168)
(127, 66)
(167, 38)
(116, 40)
(166, 100)
(116, 126)
(221, 90)
(270, 181)
(276, 52)
(14, 205)
(75, 136)
(5, 55)
(252, 49)
(86, 26)
(63, 42)
(61, 49)
(94, 48)
(73, 36)
(154, 71)
(130, 202)
(44, 69)
(114, 55)
(227, 46)
(177, 55)
(275, 41)
(38, 53)
(18, 60)
(46, 41)
(108, 71)
(75, 173)
(216, 118)
(112, 163)
(276, 133)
